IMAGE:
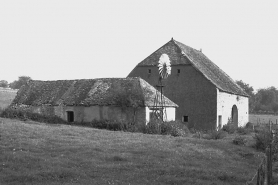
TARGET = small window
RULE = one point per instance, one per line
(185, 119)
(179, 71)
(219, 122)
(150, 71)
(70, 116)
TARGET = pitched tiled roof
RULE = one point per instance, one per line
(200, 62)
(87, 92)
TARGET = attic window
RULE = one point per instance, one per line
(149, 71)
(185, 119)
(70, 116)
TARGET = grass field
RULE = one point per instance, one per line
(36, 153)
(6, 97)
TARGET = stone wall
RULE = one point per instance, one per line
(226, 101)
(88, 114)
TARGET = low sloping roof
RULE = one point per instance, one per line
(88, 92)
(200, 62)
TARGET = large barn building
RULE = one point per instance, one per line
(207, 97)
(117, 99)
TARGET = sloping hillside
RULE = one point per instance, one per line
(6, 97)
(35, 153)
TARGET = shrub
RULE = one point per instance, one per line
(24, 115)
(249, 125)
(179, 129)
(193, 130)
(109, 125)
(229, 128)
(262, 139)
(243, 131)
(215, 134)
(173, 128)
(239, 140)
(153, 127)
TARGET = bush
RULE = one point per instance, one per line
(249, 125)
(243, 131)
(229, 128)
(215, 134)
(262, 139)
(239, 140)
(25, 115)
(177, 128)
(173, 128)
(153, 127)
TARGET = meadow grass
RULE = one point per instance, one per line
(6, 97)
(38, 153)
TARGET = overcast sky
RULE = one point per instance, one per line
(66, 39)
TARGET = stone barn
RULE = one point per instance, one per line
(120, 99)
(207, 97)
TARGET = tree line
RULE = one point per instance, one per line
(15, 84)
(265, 100)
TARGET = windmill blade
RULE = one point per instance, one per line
(164, 66)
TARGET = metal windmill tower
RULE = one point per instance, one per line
(164, 70)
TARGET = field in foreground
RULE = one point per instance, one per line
(36, 153)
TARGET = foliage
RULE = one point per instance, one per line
(262, 138)
(4, 83)
(250, 91)
(22, 80)
(114, 125)
(215, 134)
(246, 87)
(249, 125)
(25, 115)
(239, 140)
(153, 127)
(229, 128)
(265, 100)
(243, 130)
(173, 128)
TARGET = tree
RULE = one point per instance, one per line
(250, 91)
(129, 98)
(22, 80)
(4, 83)
(246, 87)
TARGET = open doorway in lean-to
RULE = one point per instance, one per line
(235, 116)
(70, 116)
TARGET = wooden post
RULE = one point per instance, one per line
(268, 166)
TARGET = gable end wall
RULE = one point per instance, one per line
(195, 95)
(225, 102)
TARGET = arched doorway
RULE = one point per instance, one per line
(235, 116)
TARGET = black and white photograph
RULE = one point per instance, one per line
(130, 92)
